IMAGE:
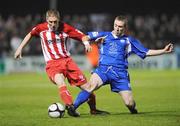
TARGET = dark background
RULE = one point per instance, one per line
(154, 22)
(22, 7)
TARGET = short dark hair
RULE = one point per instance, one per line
(122, 18)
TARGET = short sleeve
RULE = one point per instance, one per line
(72, 32)
(95, 35)
(35, 31)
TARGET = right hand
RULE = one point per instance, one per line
(101, 39)
(18, 54)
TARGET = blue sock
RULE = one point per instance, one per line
(81, 98)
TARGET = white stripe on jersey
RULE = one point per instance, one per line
(53, 47)
(65, 48)
(44, 48)
(59, 45)
(128, 48)
(49, 38)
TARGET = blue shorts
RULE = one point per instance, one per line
(117, 78)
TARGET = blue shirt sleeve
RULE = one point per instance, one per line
(138, 48)
(95, 35)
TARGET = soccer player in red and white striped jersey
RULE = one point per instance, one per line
(59, 65)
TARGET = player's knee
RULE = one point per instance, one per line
(60, 84)
(91, 87)
(86, 87)
(59, 80)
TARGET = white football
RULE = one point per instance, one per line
(56, 110)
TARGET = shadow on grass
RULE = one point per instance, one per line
(140, 114)
(153, 113)
(87, 115)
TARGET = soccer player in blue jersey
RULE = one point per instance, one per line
(115, 48)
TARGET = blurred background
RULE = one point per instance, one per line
(154, 23)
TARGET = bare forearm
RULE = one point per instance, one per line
(167, 49)
(152, 52)
(85, 38)
(18, 53)
(25, 41)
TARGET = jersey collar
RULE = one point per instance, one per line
(115, 36)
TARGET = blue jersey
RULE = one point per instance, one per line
(115, 50)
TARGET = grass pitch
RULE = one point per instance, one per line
(24, 99)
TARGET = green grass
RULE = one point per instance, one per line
(24, 99)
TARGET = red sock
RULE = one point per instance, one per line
(92, 102)
(65, 95)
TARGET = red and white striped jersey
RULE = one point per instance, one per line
(54, 42)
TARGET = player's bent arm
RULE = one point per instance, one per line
(18, 53)
(167, 49)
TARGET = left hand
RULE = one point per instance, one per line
(168, 48)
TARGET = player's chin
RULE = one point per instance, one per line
(53, 28)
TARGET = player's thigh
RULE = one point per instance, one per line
(74, 74)
(95, 81)
(86, 87)
(56, 71)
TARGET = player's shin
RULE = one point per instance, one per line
(132, 108)
(81, 98)
(65, 95)
(92, 101)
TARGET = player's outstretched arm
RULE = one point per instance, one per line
(167, 49)
(18, 53)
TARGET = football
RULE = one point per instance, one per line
(56, 110)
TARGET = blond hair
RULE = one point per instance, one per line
(53, 13)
